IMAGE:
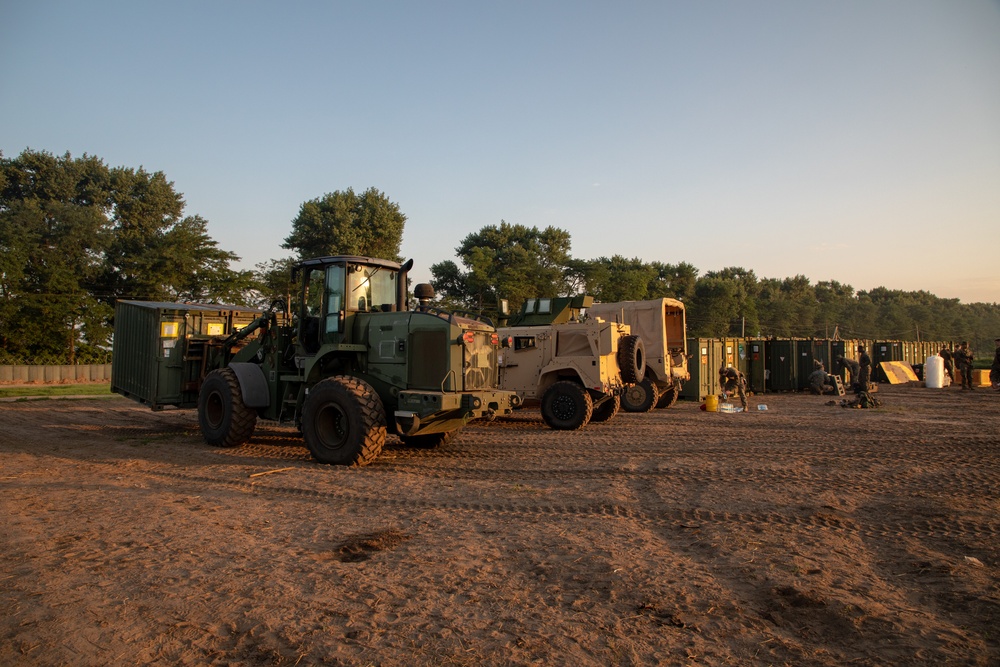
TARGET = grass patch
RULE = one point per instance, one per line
(56, 390)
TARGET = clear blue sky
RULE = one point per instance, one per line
(849, 140)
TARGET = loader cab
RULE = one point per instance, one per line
(334, 290)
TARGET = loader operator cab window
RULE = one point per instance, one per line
(334, 298)
(370, 289)
(312, 310)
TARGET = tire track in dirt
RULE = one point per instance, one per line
(676, 518)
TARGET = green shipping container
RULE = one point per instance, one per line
(757, 365)
(158, 348)
(783, 363)
(709, 355)
(809, 352)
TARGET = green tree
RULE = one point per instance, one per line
(715, 308)
(196, 269)
(585, 276)
(674, 281)
(273, 280)
(506, 261)
(345, 223)
(52, 238)
(746, 291)
(75, 235)
(626, 279)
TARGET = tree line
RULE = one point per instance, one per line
(76, 235)
(516, 262)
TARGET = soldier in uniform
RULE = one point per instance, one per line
(841, 362)
(949, 363)
(731, 380)
(864, 370)
(995, 367)
(963, 359)
(819, 381)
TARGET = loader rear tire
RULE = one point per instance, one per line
(343, 422)
(224, 419)
(566, 406)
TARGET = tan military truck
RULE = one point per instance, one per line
(661, 323)
(575, 368)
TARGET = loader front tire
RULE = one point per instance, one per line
(343, 422)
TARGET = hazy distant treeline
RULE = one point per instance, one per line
(75, 235)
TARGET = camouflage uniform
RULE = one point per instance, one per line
(731, 380)
(864, 370)
(949, 363)
(840, 363)
(963, 359)
(819, 382)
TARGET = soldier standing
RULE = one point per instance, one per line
(963, 359)
(730, 380)
(949, 363)
(995, 368)
(864, 370)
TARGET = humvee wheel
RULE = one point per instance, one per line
(566, 406)
(668, 397)
(606, 410)
(224, 419)
(343, 422)
(631, 359)
(640, 397)
(430, 440)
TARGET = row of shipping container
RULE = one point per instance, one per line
(784, 364)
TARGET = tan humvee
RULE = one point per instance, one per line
(661, 325)
(575, 369)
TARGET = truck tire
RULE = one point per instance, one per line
(343, 422)
(224, 419)
(669, 396)
(430, 440)
(606, 410)
(631, 359)
(640, 397)
(566, 406)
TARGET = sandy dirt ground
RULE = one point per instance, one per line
(806, 534)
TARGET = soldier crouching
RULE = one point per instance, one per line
(730, 381)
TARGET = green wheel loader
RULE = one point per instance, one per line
(348, 362)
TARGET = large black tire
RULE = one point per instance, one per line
(669, 396)
(640, 397)
(606, 410)
(224, 419)
(566, 406)
(631, 359)
(430, 440)
(343, 422)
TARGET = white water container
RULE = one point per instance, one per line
(934, 372)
